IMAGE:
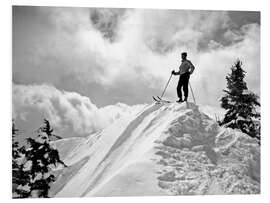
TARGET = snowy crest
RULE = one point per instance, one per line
(165, 149)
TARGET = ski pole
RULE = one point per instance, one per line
(166, 86)
(192, 92)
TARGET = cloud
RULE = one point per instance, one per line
(213, 66)
(132, 50)
(70, 113)
(106, 21)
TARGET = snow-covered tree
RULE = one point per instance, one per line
(240, 103)
(34, 165)
(49, 131)
(18, 177)
(15, 143)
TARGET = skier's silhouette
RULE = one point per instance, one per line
(185, 70)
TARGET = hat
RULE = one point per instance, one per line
(184, 53)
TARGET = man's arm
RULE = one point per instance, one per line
(192, 67)
(176, 73)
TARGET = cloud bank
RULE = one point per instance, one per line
(127, 55)
(70, 113)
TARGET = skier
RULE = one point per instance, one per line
(185, 70)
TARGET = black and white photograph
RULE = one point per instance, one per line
(135, 102)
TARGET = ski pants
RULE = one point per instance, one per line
(183, 82)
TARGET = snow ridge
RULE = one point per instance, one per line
(166, 149)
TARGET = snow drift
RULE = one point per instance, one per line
(166, 149)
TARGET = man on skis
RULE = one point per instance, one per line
(185, 70)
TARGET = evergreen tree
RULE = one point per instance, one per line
(35, 168)
(47, 129)
(15, 156)
(19, 176)
(240, 103)
(15, 143)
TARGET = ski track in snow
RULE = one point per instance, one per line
(166, 149)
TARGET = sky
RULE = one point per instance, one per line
(69, 64)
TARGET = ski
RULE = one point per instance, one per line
(155, 99)
(163, 99)
(159, 100)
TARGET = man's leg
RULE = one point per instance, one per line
(185, 85)
(179, 87)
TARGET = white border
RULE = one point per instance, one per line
(5, 12)
(168, 4)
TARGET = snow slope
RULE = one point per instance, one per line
(166, 149)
